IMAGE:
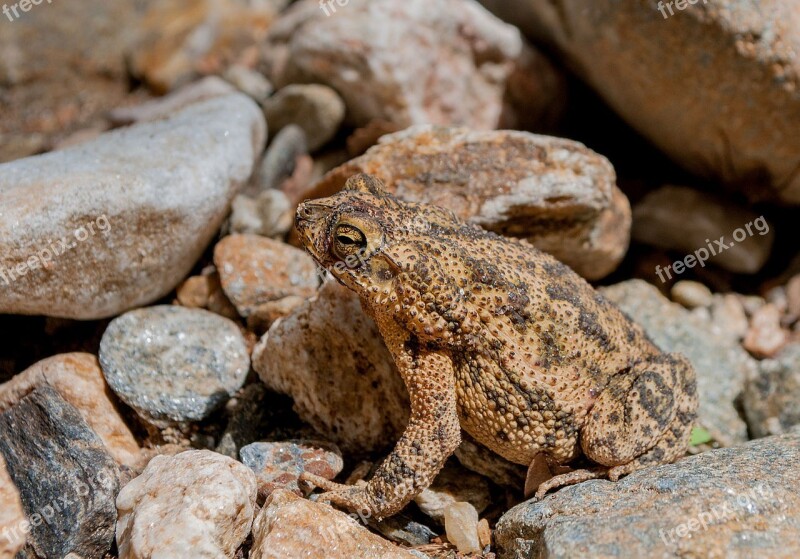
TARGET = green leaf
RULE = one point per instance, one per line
(700, 436)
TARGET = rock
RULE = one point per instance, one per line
(269, 215)
(178, 41)
(728, 314)
(195, 292)
(197, 500)
(12, 518)
(484, 533)
(61, 67)
(732, 502)
(66, 478)
(280, 159)
(471, 61)
(264, 316)
(163, 107)
(691, 294)
(719, 361)
(250, 82)
(78, 379)
(402, 529)
(173, 364)
(290, 526)
(476, 457)
(738, 127)
(461, 524)
(453, 485)
(556, 193)
(708, 229)
(793, 298)
(771, 399)
(316, 109)
(255, 270)
(324, 353)
(131, 222)
(765, 336)
(278, 465)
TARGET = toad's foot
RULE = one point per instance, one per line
(570, 478)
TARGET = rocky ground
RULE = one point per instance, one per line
(171, 362)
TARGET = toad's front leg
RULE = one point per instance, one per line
(432, 435)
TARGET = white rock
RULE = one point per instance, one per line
(197, 504)
(461, 524)
(135, 208)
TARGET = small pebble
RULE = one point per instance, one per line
(728, 314)
(793, 298)
(173, 364)
(765, 336)
(249, 82)
(484, 533)
(461, 524)
(279, 160)
(269, 214)
(195, 292)
(691, 294)
(315, 108)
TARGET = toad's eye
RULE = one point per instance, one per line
(348, 240)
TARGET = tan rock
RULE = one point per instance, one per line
(728, 314)
(469, 59)
(461, 523)
(324, 353)
(556, 193)
(793, 298)
(255, 270)
(315, 108)
(765, 336)
(290, 526)
(453, 484)
(12, 517)
(77, 377)
(691, 294)
(195, 292)
(736, 123)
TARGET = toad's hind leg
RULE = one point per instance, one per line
(643, 417)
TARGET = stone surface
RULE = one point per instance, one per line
(113, 223)
(280, 159)
(473, 64)
(453, 484)
(264, 316)
(728, 314)
(61, 66)
(290, 526)
(793, 298)
(733, 502)
(249, 81)
(685, 220)
(765, 337)
(691, 294)
(556, 193)
(255, 270)
(720, 362)
(322, 355)
(278, 465)
(269, 214)
(197, 500)
(77, 377)
(771, 398)
(173, 364)
(461, 524)
(12, 517)
(66, 478)
(738, 124)
(316, 109)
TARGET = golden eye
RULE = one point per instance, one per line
(348, 240)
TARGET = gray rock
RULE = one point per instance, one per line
(118, 222)
(316, 109)
(173, 364)
(66, 478)
(250, 82)
(279, 160)
(720, 362)
(771, 399)
(733, 502)
(270, 214)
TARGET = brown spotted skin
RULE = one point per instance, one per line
(495, 337)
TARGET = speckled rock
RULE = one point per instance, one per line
(471, 61)
(173, 364)
(255, 270)
(452, 485)
(77, 377)
(197, 500)
(66, 479)
(111, 224)
(269, 214)
(686, 220)
(737, 126)
(461, 524)
(556, 193)
(12, 517)
(771, 398)
(290, 526)
(316, 109)
(324, 353)
(278, 465)
(720, 362)
(733, 502)
(765, 337)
